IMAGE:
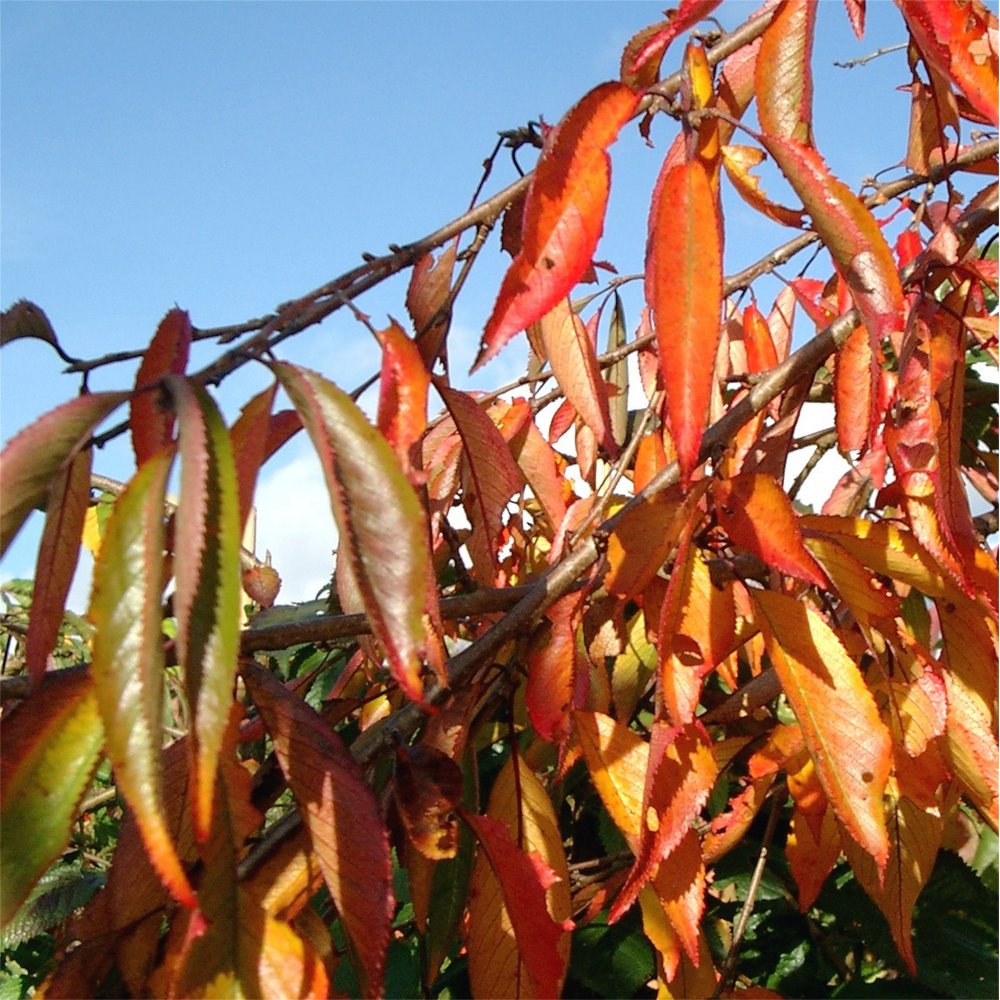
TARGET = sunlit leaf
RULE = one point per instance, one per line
(784, 74)
(812, 856)
(128, 658)
(207, 571)
(679, 886)
(643, 53)
(738, 162)
(51, 744)
(684, 291)
(426, 296)
(383, 534)
(563, 216)
(402, 402)
(150, 419)
(852, 389)
(341, 812)
(58, 553)
(847, 740)
(33, 457)
(554, 670)
(520, 904)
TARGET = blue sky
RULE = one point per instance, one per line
(226, 157)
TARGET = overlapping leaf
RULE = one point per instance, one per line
(563, 216)
(783, 74)
(51, 744)
(128, 658)
(150, 420)
(684, 291)
(847, 740)
(206, 563)
(426, 296)
(402, 402)
(341, 812)
(554, 670)
(383, 534)
(643, 53)
(33, 457)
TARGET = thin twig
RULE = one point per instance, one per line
(878, 53)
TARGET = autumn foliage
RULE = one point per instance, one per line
(583, 677)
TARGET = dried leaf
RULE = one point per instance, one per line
(563, 215)
(642, 55)
(341, 812)
(427, 789)
(426, 296)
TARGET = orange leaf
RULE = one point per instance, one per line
(574, 364)
(150, 420)
(330, 787)
(783, 74)
(684, 291)
(846, 739)
(402, 401)
(427, 789)
(811, 855)
(520, 904)
(954, 36)
(427, 293)
(758, 516)
(555, 670)
(563, 215)
(643, 53)
(849, 232)
(680, 888)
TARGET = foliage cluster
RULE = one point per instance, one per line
(613, 717)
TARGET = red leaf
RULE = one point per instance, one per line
(32, 458)
(563, 215)
(680, 888)
(128, 659)
(761, 353)
(382, 526)
(849, 232)
(207, 534)
(758, 516)
(342, 815)
(687, 14)
(57, 558)
(783, 74)
(554, 669)
(856, 15)
(954, 36)
(493, 476)
(402, 401)
(848, 742)
(574, 363)
(852, 391)
(523, 880)
(150, 420)
(684, 290)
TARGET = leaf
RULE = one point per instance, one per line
(25, 320)
(383, 533)
(426, 296)
(128, 659)
(58, 553)
(954, 37)
(32, 458)
(520, 905)
(812, 856)
(849, 744)
(852, 390)
(402, 402)
(555, 670)
(849, 232)
(207, 571)
(783, 74)
(341, 813)
(738, 162)
(680, 889)
(249, 441)
(757, 515)
(684, 292)
(856, 15)
(638, 58)
(150, 420)
(563, 215)
(427, 790)
(493, 476)
(51, 745)
(574, 364)
(679, 776)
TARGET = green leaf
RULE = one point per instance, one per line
(51, 743)
(60, 891)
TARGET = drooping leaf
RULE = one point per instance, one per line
(207, 571)
(852, 389)
(426, 295)
(402, 403)
(493, 476)
(51, 744)
(849, 232)
(32, 458)
(783, 74)
(684, 291)
(574, 364)
(954, 36)
(644, 53)
(738, 162)
(23, 320)
(757, 515)
(848, 742)
(679, 887)
(520, 905)
(811, 855)
(383, 534)
(342, 815)
(554, 670)
(128, 659)
(427, 790)
(150, 419)
(563, 216)
(57, 558)
(617, 374)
